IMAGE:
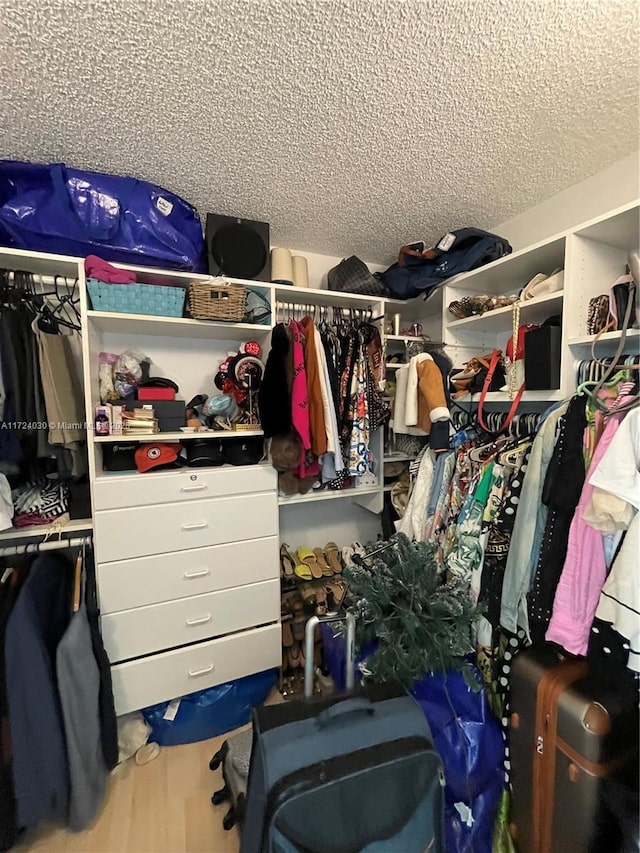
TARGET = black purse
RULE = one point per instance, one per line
(352, 275)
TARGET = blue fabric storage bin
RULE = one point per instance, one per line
(210, 712)
(152, 299)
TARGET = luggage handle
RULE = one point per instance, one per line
(343, 709)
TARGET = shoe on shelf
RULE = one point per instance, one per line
(308, 558)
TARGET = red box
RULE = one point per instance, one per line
(156, 394)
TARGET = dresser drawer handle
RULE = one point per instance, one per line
(198, 488)
(200, 620)
(194, 673)
(199, 574)
(197, 525)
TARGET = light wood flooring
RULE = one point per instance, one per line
(163, 807)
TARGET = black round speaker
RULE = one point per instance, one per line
(238, 250)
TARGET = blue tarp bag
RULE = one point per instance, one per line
(51, 208)
(209, 712)
(418, 273)
(469, 741)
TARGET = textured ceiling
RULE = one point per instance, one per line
(350, 125)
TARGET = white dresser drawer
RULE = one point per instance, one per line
(166, 676)
(165, 577)
(144, 630)
(118, 492)
(122, 534)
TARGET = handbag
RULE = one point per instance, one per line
(599, 318)
(493, 365)
(352, 275)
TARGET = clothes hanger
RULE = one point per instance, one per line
(77, 578)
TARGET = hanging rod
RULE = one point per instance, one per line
(49, 545)
(45, 280)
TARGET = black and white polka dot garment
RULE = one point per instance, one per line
(498, 542)
(561, 494)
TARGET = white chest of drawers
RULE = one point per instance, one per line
(187, 567)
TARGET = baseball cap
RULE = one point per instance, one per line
(204, 452)
(157, 455)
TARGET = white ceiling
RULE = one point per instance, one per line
(350, 125)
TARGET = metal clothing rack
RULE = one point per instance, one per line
(298, 310)
(46, 545)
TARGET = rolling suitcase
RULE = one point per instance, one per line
(569, 739)
(341, 774)
(235, 753)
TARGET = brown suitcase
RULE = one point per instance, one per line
(567, 738)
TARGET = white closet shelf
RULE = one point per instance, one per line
(76, 525)
(328, 495)
(389, 366)
(405, 338)
(315, 296)
(398, 457)
(607, 338)
(176, 436)
(503, 397)
(531, 311)
(175, 327)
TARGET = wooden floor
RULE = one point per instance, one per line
(163, 807)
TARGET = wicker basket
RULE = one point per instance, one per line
(217, 300)
(155, 300)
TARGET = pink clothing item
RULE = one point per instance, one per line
(299, 394)
(95, 267)
(585, 567)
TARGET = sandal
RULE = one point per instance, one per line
(333, 557)
(297, 630)
(303, 572)
(308, 558)
(321, 602)
(287, 633)
(294, 656)
(327, 571)
(287, 562)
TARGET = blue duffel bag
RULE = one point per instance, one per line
(419, 272)
(51, 208)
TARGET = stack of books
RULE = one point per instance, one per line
(140, 422)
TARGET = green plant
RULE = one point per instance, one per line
(421, 623)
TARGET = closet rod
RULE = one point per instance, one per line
(46, 280)
(50, 545)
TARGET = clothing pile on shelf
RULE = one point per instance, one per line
(320, 401)
(421, 398)
(42, 432)
(40, 503)
(58, 728)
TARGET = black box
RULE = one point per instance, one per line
(542, 358)
(170, 413)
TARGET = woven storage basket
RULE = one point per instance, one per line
(151, 299)
(217, 300)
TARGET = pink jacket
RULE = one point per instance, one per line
(585, 568)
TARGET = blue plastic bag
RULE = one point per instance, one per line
(51, 208)
(468, 739)
(210, 712)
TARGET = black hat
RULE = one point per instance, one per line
(244, 450)
(119, 457)
(204, 452)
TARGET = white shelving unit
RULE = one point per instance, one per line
(175, 436)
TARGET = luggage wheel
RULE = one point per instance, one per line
(219, 757)
(220, 796)
(228, 821)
